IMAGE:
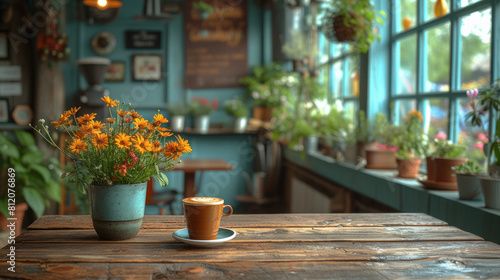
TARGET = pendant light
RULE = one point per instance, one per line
(103, 4)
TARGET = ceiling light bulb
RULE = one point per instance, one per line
(102, 4)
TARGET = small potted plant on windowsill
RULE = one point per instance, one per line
(200, 108)
(177, 114)
(364, 136)
(352, 21)
(412, 145)
(240, 111)
(468, 181)
(383, 156)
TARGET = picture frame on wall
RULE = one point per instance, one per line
(4, 45)
(115, 72)
(4, 110)
(147, 67)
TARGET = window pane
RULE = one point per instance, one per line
(353, 75)
(402, 108)
(336, 49)
(431, 6)
(350, 109)
(472, 136)
(437, 67)
(405, 57)
(475, 37)
(337, 75)
(463, 3)
(324, 49)
(436, 114)
(407, 16)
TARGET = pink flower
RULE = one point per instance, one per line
(479, 145)
(472, 93)
(482, 137)
(441, 135)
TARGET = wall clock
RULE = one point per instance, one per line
(103, 43)
(22, 114)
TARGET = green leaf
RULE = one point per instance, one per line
(35, 200)
(25, 138)
(53, 190)
(43, 171)
(8, 148)
(3, 207)
(32, 158)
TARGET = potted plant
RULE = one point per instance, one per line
(469, 184)
(445, 157)
(383, 156)
(112, 161)
(352, 21)
(303, 131)
(412, 145)
(27, 179)
(200, 108)
(364, 136)
(177, 113)
(240, 111)
(482, 102)
(201, 9)
(300, 49)
(269, 87)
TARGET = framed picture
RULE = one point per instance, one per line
(115, 72)
(4, 110)
(4, 45)
(147, 67)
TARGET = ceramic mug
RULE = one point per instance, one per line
(203, 216)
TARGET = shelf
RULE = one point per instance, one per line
(13, 126)
(217, 131)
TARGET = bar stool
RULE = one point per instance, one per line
(160, 199)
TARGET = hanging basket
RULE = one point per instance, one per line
(336, 31)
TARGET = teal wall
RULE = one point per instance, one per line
(148, 97)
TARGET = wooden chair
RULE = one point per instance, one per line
(160, 199)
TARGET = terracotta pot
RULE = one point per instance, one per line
(443, 171)
(430, 168)
(262, 113)
(380, 159)
(21, 208)
(408, 168)
(362, 146)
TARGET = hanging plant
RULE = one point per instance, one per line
(352, 21)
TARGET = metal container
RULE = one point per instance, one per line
(310, 144)
(469, 186)
(177, 123)
(240, 124)
(202, 123)
(491, 192)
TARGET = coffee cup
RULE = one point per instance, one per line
(203, 216)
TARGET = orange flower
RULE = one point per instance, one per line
(165, 134)
(80, 134)
(110, 120)
(184, 146)
(172, 150)
(100, 141)
(95, 126)
(109, 101)
(415, 113)
(140, 123)
(77, 146)
(134, 114)
(121, 113)
(72, 111)
(141, 145)
(63, 120)
(83, 120)
(155, 147)
(159, 119)
(122, 140)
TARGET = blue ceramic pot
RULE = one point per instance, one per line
(117, 210)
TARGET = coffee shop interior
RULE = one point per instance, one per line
(287, 105)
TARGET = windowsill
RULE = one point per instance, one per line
(405, 195)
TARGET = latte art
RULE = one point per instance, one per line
(203, 200)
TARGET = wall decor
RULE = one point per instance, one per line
(22, 114)
(4, 110)
(115, 72)
(4, 45)
(10, 72)
(215, 42)
(103, 43)
(11, 89)
(142, 39)
(147, 67)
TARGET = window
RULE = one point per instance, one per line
(434, 60)
(339, 69)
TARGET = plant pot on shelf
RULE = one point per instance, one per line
(362, 146)
(262, 113)
(430, 168)
(177, 123)
(443, 169)
(469, 186)
(19, 211)
(202, 123)
(380, 159)
(240, 124)
(408, 168)
(351, 152)
(117, 211)
(491, 192)
(310, 144)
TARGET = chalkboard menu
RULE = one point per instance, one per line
(215, 43)
(142, 39)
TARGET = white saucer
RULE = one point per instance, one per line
(225, 234)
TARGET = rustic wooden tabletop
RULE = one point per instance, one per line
(277, 246)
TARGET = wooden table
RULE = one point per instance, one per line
(190, 166)
(297, 246)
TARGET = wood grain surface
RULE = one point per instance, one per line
(277, 246)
